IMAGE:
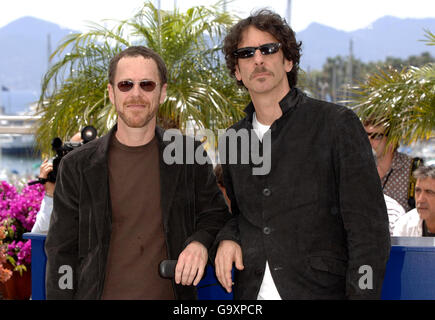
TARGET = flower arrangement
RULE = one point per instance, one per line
(17, 215)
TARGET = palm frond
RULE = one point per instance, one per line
(402, 100)
(74, 90)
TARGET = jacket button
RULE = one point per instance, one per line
(267, 230)
(267, 192)
(258, 272)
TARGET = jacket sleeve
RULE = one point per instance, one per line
(231, 229)
(211, 210)
(362, 208)
(61, 245)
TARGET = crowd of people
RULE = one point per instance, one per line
(303, 230)
(402, 178)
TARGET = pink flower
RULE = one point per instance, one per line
(18, 214)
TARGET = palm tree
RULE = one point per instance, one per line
(402, 100)
(200, 89)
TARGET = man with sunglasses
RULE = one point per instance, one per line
(315, 226)
(119, 209)
(394, 167)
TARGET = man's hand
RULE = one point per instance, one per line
(191, 264)
(227, 253)
(45, 168)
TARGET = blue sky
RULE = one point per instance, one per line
(344, 15)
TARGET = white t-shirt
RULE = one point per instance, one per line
(268, 290)
(259, 128)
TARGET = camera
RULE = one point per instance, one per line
(88, 133)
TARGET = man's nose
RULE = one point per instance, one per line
(258, 57)
(136, 90)
(420, 197)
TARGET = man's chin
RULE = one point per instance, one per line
(424, 213)
(138, 122)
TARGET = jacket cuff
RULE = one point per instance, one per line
(202, 237)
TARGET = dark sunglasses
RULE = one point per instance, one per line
(375, 135)
(265, 49)
(145, 85)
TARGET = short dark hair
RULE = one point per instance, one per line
(268, 21)
(135, 51)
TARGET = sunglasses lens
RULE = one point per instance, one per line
(378, 136)
(269, 48)
(265, 49)
(125, 86)
(245, 52)
(147, 85)
(375, 136)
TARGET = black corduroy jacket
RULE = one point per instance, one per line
(318, 217)
(193, 209)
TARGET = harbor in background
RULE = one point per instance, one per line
(19, 159)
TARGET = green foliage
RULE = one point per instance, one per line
(74, 90)
(402, 100)
(16, 267)
(334, 77)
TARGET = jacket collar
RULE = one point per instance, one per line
(99, 157)
(290, 100)
(97, 177)
(169, 176)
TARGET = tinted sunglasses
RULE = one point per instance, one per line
(145, 85)
(375, 135)
(265, 49)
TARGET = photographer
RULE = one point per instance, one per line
(43, 216)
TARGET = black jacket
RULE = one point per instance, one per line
(319, 216)
(80, 227)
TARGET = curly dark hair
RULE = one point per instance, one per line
(268, 21)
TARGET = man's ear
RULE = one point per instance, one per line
(288, 65)
(163, 93)
(237, 73)
(111, 93)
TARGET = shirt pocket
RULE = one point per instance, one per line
(326, 273)
(328, 264)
